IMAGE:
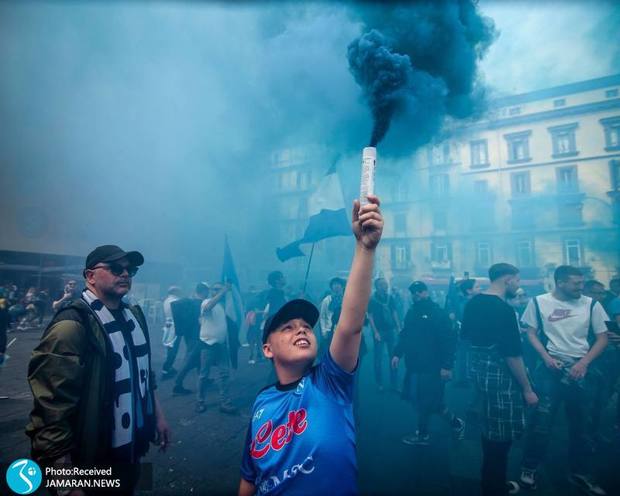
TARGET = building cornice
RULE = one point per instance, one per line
(525, 119)
(556, 91)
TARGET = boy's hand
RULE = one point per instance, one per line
(367, 222)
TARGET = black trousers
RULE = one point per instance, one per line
(171, 353)
(190, 362)
(494, 467)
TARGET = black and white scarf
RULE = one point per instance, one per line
(131, 406)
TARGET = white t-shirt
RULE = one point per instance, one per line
(169, 335)
(566, 323)
(325, 315)
(213, 328)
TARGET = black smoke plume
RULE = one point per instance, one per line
(419, 61)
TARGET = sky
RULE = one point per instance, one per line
(549, 43)
(152, 125)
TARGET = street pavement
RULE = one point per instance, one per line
(206, 448)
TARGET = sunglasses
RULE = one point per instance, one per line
(117, 269)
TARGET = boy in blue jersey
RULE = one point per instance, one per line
(301, 439)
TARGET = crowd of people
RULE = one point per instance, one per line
(27, 309)
(521, 357)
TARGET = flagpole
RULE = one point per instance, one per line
(308, 268)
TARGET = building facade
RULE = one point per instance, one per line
(535, 183)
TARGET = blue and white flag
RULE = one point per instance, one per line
(328, 216)
(233, 302)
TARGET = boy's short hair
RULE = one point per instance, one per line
(500, 270)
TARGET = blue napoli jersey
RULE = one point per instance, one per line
(301, 439)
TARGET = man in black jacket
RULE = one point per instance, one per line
(428, 343)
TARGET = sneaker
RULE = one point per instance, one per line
(528, 479)
(181, 391)
(228, 408)
(200, 407)
(512, 487)
(417, 439)
(458, 429)
(586, 484)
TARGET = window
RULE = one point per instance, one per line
(525, 253)
(614, 170)
(440, 220)
(612, 133)
(401, 257)
(514, 111)
(570, 214)
(440, 154)
(560, 102)
(563, 140)
(440, 184)
(441, 252)
(518, 146)
(520, 183)
(483, 254)
(289, 180)
(572, 252)
(303, 179)
(567, 179)
(400, 223)
(611, 93)
(479, 153)
(481, 186)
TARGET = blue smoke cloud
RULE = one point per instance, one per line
(419, 61)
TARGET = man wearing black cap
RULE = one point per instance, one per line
(91, 377)
(428, 344)
(301, 439)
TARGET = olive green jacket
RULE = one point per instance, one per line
(72, 383)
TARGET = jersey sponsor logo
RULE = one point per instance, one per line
(268, 438)
(269, 484)
(559, 314)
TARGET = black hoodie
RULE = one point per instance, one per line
(428, 339)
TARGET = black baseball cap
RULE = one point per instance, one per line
(294, 309)
(418, 287)
(111, 253)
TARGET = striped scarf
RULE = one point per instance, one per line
(130, 405)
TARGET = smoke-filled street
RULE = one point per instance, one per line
(206, 449)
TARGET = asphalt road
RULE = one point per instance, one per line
(206, 451)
